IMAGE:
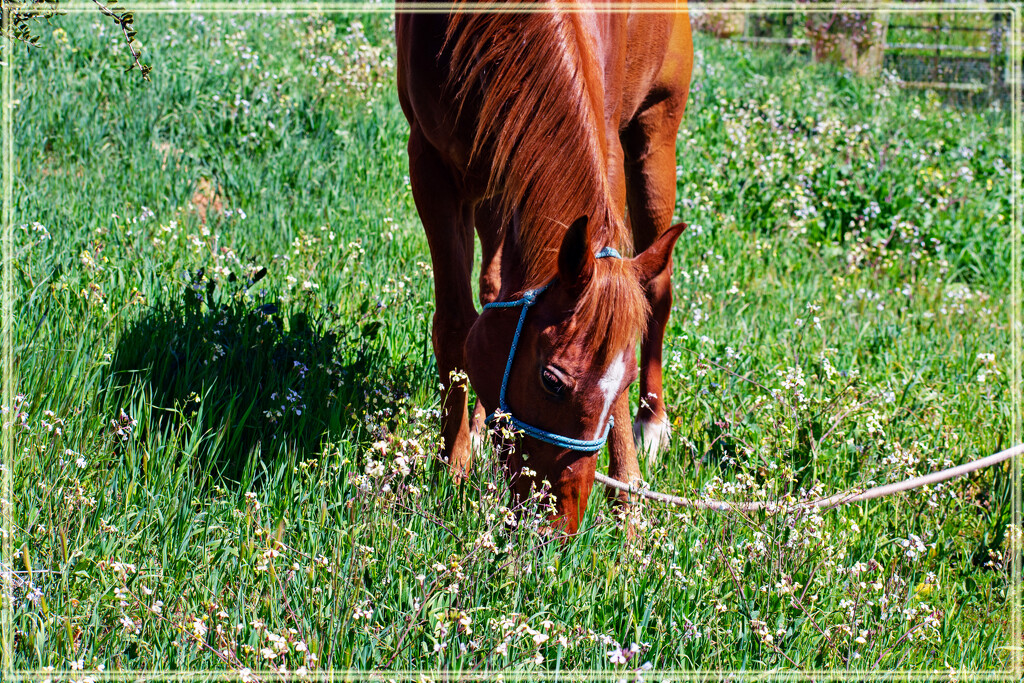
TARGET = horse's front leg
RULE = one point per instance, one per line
(651, 194)
(623, 464)
(447, 220)
(489, 228)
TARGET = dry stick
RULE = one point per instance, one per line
(288, 606)
(836, 422)
(787, 403)
(853, 627)
(823, 632)
(744, 378)
(159, 615)
(434, 586)
(829, 502)
(810, 577)
(412, 620)
(505, 565)
(901, 638)
(426, 598)
(433, 519)
(739, 587)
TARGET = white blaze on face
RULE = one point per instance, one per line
(609, 385)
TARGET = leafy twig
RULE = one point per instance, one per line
(125, 21)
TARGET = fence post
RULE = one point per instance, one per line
(996, 55)
(789, 29)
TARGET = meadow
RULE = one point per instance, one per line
(226, 404)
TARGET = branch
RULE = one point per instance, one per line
(125, 21)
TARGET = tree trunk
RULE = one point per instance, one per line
(855, 40)
(720, 24)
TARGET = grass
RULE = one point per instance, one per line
(228, 406)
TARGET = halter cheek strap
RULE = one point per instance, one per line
(528, 299)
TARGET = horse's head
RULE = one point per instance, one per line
(573, 357)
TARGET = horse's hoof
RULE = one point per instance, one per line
(477, 430)
(458, 474)
(652, 438)
(459, 465)
(476, 442)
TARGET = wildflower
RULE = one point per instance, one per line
(199, 628)
(129, 625)
(914, 546)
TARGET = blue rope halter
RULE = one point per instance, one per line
(528, 299)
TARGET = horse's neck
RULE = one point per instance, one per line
(563, 152)
(533, 84)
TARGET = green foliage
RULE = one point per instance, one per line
(18, 17)
(840, 318)
(21, 15)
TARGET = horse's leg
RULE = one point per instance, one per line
(650, 147)
(447, 220)
(622, 463)
(488, 227)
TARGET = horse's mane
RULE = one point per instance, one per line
(540, 126)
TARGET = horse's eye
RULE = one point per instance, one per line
(553, 384)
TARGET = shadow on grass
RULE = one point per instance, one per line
(256, 381)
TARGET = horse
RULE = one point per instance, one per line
(550, 129)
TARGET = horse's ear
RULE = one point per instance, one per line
(575, 262)
(656, 258)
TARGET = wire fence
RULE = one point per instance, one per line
(962, 55)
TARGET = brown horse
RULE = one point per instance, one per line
(539, 129)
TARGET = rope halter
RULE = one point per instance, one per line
(528, 299)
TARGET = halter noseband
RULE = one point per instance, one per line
(528, 299)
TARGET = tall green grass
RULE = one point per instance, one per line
(228, 401)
